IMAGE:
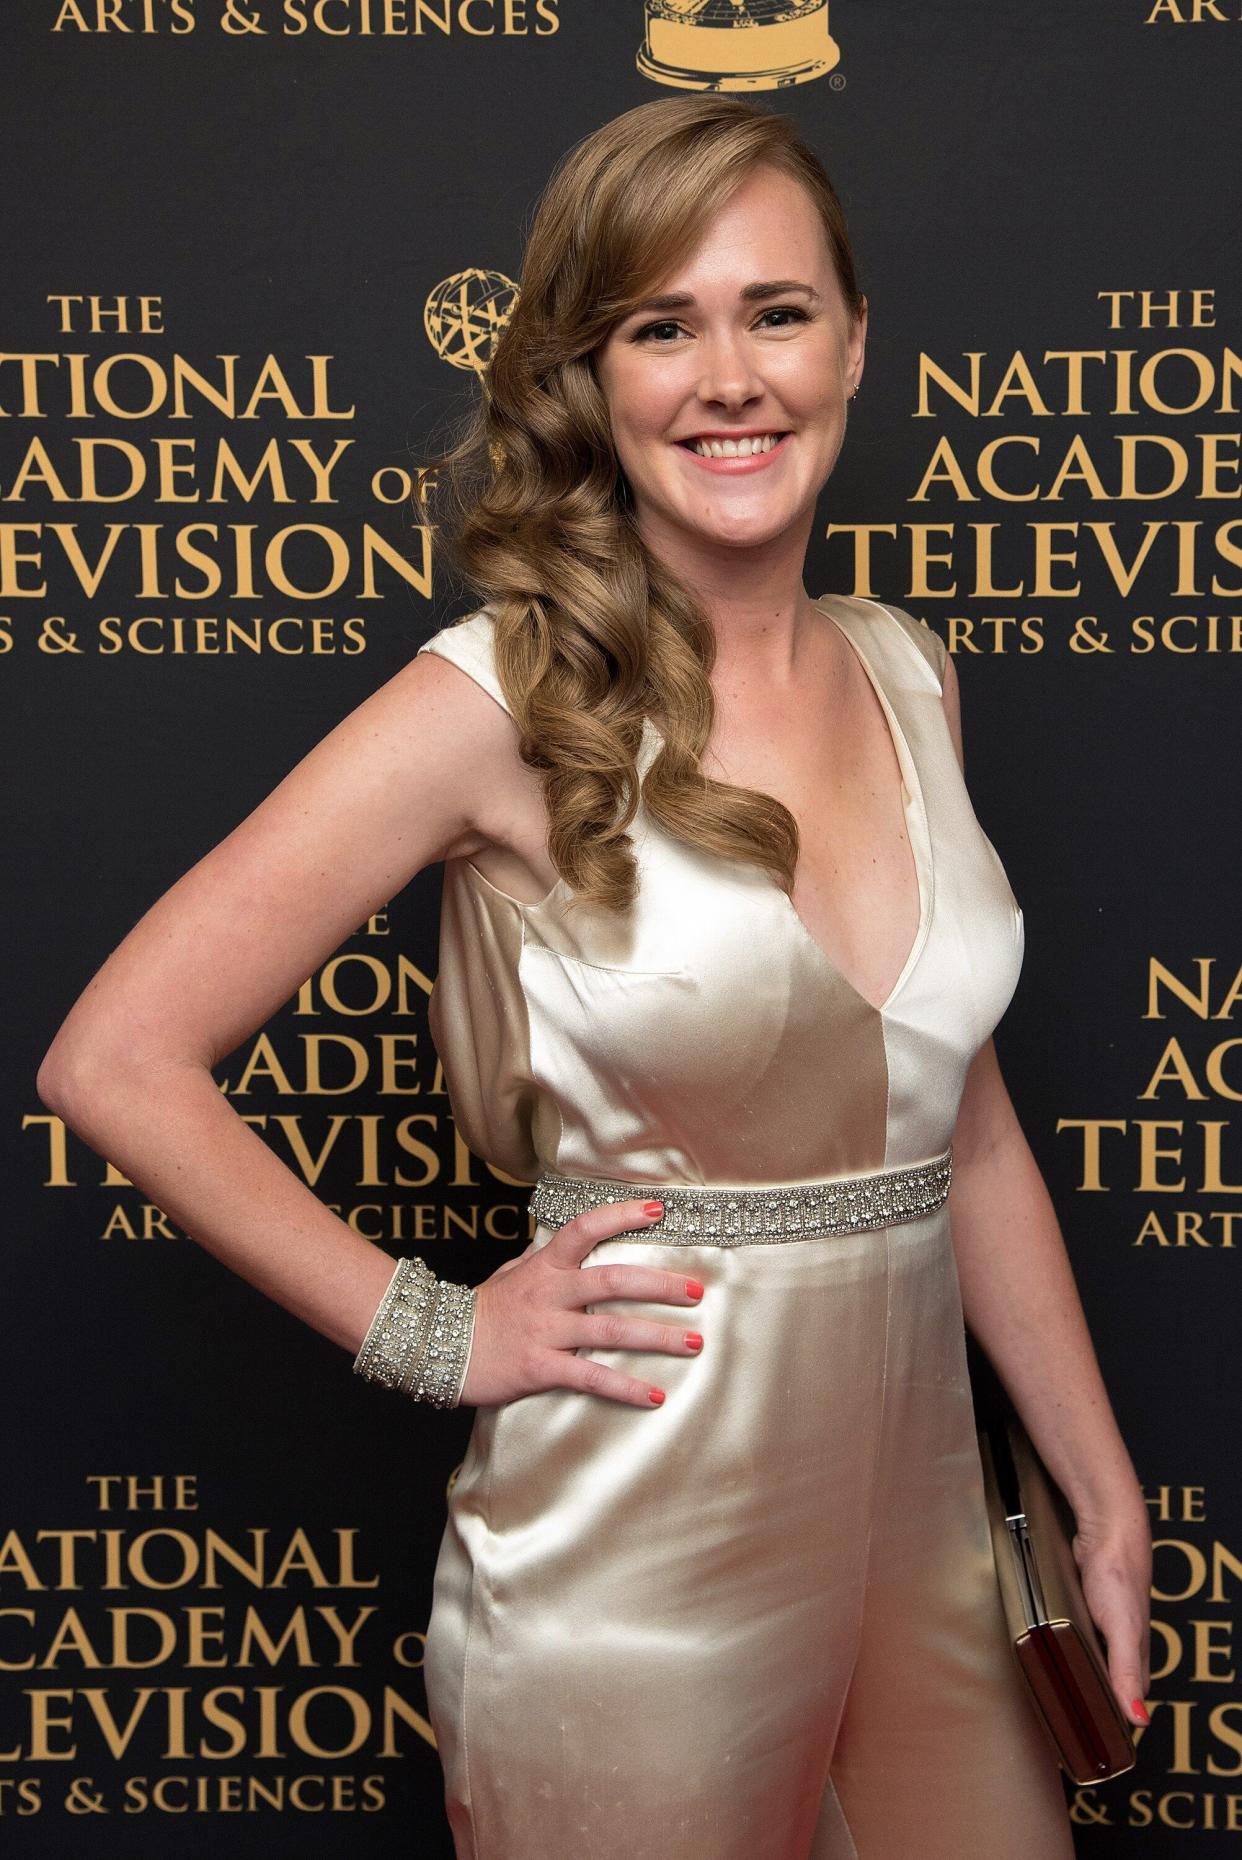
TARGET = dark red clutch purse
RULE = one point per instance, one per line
(1054, 1638)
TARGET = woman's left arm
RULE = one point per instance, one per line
(1021, 1302)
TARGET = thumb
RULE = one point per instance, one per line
(508, 1264)
(571, 1243)
(1130, 1694)
(1125, 1676)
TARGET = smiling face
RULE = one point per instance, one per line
(727, 389)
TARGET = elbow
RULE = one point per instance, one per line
(73, 1076)
(44, 1089)
(103, 1055)
(86, 1082)
(49, 1081)
(55, 1082)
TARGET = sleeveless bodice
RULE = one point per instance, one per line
(704, 1036)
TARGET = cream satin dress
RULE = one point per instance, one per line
(760, 1622)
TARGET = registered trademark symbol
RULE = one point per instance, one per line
(837, 80)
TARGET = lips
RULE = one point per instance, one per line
(733, 464)
(729, 445)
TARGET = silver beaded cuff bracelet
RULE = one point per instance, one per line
(419, 1339)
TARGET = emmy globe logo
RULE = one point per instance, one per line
(464, 315)
(736, 44)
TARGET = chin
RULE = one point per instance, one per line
(742, 535)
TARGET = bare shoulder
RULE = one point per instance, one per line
(476, 736)
(402, 781)
(415, 762)
(501, 796)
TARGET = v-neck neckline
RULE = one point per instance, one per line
(915, 809)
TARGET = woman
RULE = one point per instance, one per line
(719, 927)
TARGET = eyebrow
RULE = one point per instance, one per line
(750, 293)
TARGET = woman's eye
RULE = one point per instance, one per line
(799, 315)
(653, 330)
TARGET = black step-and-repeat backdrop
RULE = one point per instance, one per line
(256, 255)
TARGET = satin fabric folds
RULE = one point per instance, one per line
(762, 1621)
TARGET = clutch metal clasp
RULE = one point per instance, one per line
(1027, 1569)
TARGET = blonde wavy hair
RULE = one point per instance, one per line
(531, 505)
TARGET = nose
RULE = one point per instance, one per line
(727, 377)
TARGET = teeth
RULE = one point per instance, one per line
(735, 448)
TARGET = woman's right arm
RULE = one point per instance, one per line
(424, 769)
(399, 783)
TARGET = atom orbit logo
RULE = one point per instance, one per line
(464, 315)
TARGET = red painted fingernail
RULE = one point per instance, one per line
(693, 1340)
(693, 1289)
(653, 1207)
(1138, 1706)
(656, 1395)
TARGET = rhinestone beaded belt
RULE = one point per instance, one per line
(746, 1216)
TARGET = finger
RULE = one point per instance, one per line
(592, 1378)
(571, 1243)
(1125, 1672)
(617, 1280)
(612, 1331)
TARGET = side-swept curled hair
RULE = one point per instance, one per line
(591, 632)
